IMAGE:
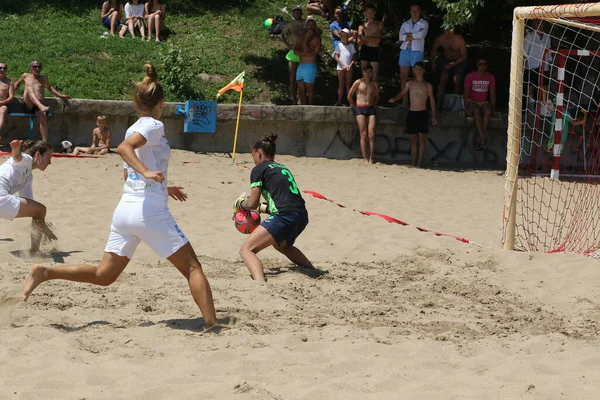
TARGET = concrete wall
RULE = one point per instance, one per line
(312, 131)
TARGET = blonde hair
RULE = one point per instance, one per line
(101, 118)
(149, 92)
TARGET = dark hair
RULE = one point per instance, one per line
(267, 144)
(149, 92)
(371, 6)
(420, 64)
(367, 67)
(30, 147)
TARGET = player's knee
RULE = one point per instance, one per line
(106, 279)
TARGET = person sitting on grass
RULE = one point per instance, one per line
(100, 139)
(134, 18)
(155, 18)
(111, 13)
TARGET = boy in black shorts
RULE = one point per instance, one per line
(417, 120)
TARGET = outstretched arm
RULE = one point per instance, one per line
(17, 84)
(15, 148)
(54, 91)
(400, 95)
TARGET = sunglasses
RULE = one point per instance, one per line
(483, 64)
(3, 68)
(36, 66)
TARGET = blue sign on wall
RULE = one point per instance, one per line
(200, 116)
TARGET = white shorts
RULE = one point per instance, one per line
(135, 222)
(9, 206)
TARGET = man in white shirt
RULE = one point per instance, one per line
(536, 42)
(412, 35)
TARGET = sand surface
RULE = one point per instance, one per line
(394, 313)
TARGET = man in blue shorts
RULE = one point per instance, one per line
(307, 67)
(295, 29)
(412, 50)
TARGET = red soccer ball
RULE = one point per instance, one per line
(246, 221)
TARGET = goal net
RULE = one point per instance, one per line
(552, 200)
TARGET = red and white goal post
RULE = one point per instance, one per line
(552, 189)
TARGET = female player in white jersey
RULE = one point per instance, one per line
(142, 214)
(16, 176)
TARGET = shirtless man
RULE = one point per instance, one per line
(295, 29)
(100, 139)
(367, 96)
(417, 120)
(369, 38)
(453, 60)
(6, 93)
(33, 95)
(306, 73)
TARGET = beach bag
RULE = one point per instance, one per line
(277, 25)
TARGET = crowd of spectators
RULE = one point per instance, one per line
(147, 19)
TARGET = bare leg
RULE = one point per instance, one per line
(157, 28)
(404, 71)
(259, 239)
(294, 255)
(302, 92)
(478, 122)
(140, 24)
(37, 211)
(102, 152)
(43, 125)
(149, 24)
(371, 129)
(3, 112)
(361, 120)
(422, 144)
(442, 89)
(31, 100)
(348, 81)
(130, 28)
(458, 84)
(487, 114)
(113, 23)
(341, 84)
(375, 65)
(187, 263)
(310, 93)
(414, 149)
(293, 67)
(78, 150)
(104, 274)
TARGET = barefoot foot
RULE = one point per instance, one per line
(35, 277)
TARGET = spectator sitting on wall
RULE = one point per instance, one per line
(480, 100)
(33, 95)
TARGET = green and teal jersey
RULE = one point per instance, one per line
(278, 187)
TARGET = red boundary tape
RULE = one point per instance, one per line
(386, 217)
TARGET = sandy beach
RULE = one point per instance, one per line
(393, 312)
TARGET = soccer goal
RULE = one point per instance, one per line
(552, 198)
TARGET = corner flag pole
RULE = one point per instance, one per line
(237, 124)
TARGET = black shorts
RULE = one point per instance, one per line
(367, 111)
(368, 53)
(456, 69)
(531, 76)
(286, 227)
(417, 122)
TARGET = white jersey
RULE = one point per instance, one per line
(346, 54)
(134, 11)
(17, 177)
(155, 156)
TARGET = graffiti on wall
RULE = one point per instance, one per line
(392, 146)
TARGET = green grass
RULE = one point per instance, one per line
(218, 39)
